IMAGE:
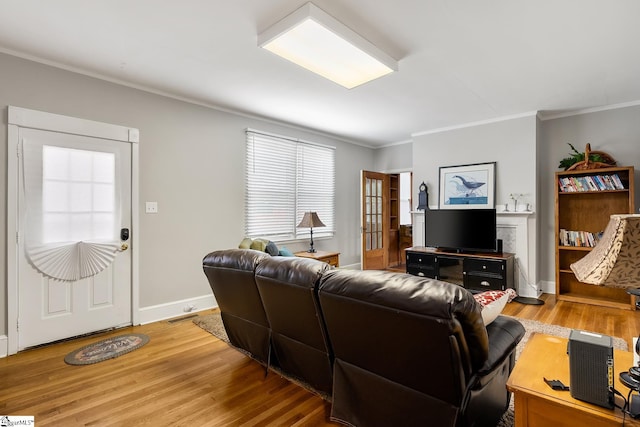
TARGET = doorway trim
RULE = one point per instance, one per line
(24, 118)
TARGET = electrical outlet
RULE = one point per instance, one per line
(151, 207)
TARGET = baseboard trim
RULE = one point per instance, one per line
(351, 267)
(547, 287)
(4, 346)
(172, 309)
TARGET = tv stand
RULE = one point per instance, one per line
(476, 272)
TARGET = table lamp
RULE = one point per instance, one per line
(310, 220)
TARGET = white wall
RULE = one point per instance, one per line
(191, 163)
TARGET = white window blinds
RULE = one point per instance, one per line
(284, 179)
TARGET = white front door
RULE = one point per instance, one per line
(74, 264)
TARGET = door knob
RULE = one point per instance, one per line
(124, 247)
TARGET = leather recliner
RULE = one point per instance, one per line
(412, 351)
(231, 275)
(406, 350)
(288, 288)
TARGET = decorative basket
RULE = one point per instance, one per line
(587, 164)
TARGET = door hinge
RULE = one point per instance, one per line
(18, 325)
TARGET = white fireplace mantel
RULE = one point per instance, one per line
(513, 228)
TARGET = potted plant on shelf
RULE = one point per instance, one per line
(587, 160)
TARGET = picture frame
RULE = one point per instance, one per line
(469, 186)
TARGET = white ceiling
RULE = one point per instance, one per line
(460, 61)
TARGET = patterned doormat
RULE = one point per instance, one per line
(108, 348)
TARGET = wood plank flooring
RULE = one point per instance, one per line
(183, 377)
(186, 377)
(608, 321)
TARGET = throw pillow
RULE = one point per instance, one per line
(259, 244)
(285, 252)
(493, 302)
(245, 244)
(271, 249)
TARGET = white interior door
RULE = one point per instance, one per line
(74, 266)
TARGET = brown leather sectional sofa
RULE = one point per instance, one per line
(389, 348)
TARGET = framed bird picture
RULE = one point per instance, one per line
(468, 186)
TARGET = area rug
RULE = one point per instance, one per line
(108, 348)
(212, 323)
(532, 326)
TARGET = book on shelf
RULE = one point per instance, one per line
(568, 184)
(583, 239)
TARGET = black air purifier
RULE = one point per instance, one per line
(591, 367)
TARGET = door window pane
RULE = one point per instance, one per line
(78, 194)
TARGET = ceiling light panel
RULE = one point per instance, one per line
(318, 42)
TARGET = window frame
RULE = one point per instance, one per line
(284, 178)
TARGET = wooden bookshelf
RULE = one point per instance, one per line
(581, 207)
(394, 257)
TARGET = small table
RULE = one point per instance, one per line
(331, 258)
(536, 404)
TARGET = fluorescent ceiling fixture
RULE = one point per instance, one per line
(318, 42)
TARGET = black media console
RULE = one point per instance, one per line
(475, 271)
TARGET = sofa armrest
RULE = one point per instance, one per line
(504, 335)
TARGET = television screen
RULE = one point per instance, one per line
(471, 230)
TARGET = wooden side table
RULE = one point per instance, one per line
(331, 258)
(536, 404)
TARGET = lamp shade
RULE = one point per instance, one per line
(310, 220)
(615, 260)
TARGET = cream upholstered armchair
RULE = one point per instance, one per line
(615, 260)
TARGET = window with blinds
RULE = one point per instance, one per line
(284, 179)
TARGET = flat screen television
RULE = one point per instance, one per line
(461, 230)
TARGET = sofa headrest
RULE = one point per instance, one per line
(402, 291)
(302, 272)
(238, 259)
(412, 294)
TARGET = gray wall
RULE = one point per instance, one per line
(394, 158)
(509, 143)
(615, 131)
(527, 151)
(191, 163)
(192, 157)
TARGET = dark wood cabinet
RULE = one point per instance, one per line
(477, 272)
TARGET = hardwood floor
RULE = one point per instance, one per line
(608, 321)
(185, 376)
